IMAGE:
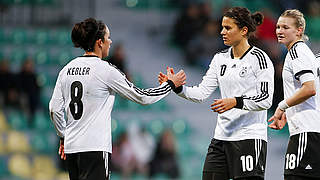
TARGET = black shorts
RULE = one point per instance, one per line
(303, 155)
(237, 159)
(89, 165)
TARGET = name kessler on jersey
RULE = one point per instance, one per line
(78, 71)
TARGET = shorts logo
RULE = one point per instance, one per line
(243, 72)
(308, 167)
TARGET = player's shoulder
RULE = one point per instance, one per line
(260, 57)
(299, 49)
(256, 52)
(114, 67)
(223, 53)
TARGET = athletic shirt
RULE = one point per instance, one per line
(85, 92)
(251, 78)
(299, 67)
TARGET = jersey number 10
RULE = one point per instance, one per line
(76, 105)
(247, 163)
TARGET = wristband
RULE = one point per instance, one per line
(283, 105)
(175, 89)
(239, 104)
(171, 84)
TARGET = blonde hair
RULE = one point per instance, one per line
(300, 21)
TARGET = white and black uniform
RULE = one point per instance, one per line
(250, 79)
(85, 92)
(302, 156)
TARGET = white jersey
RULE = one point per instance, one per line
(299, 67)
(85, 92)
(249, 78)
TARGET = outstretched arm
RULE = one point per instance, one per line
(197, 93)
(125, 88)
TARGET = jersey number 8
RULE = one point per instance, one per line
(76, 105)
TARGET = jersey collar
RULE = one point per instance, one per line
(232, 57)
(89, 56)
(296, 43)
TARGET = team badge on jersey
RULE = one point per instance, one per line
(243, 72)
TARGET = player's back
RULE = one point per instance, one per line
(88, 102)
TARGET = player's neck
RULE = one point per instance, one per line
(239, 49)
(92, 54)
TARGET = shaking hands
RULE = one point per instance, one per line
(178, 79)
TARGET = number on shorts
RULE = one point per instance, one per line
(247, 163)
(291, 161)
(76, 105)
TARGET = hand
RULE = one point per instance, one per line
(223, 105)
(61, 150)
(178, 79)
(162, 77)
(278, 120)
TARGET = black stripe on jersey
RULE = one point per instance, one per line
(153, 92)
(246, 52)
(264, 58)
(293, 52)
(264, 87)
(156, 90)
(263, 97)
(264, 93)
(258, 98)
(128, 82)
(116, 68)
(298, 74)
(261, 58)
(318, 55)
(150, 91)
(290, 54)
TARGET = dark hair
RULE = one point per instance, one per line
(243, 18)
(84, 34)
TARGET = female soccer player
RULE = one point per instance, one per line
(85, 91)
(244, 75)
(301, 104)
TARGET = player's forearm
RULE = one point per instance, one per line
(59, 123)
(263, 103)
(151, 95)
(305, 92)
(196, 94)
